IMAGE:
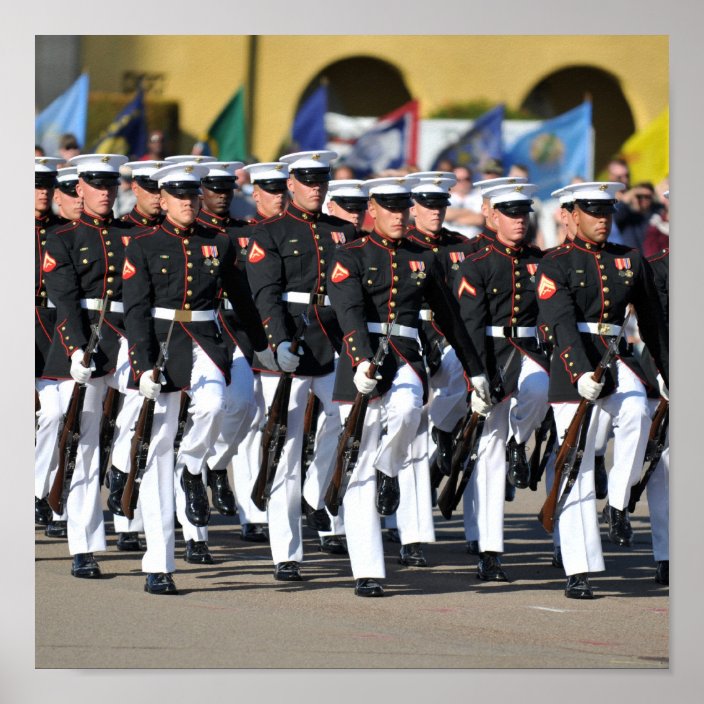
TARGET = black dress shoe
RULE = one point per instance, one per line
(557, 557)
(473, 547)
(316, 518)
(601, 479)
(85, 566)
(197, 506)
(388, 494)
(255, 532)
(197, 553)
(412, 556)
(223, 497)
(56, 529)
(510, 494)
(288, 572)
(130, 542)
(489, 568)
(443, 440)
(393, 535)
(620, 531)
(518, 468)
(118, 480)
(160, 583)
(578, 587)
(662, 573)
(368, 587)
(42, 512)
(333, 545)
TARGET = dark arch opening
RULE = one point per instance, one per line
(361, 86)
(611, 115)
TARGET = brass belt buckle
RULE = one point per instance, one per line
(182, 316)
(604, 328)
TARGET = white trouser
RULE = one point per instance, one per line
(469, 512)
(207, 394)
(124, 429)
(245, 464)
(53, 397)
(517, 416)
(414, 516)
(630, 418)
(284, 508)
(579, 540)
(604, 432)
(402, 405)
(658, 492)
(240, 409)
(448, 403)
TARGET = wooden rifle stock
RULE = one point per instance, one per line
(350, 438)
(111, 405)
(70, 432)
(565, 456)
(274, 433)
(656, 444)
(139, 447)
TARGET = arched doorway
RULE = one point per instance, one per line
(611, 115)
(361, 86)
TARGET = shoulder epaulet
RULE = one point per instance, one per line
(354, 244)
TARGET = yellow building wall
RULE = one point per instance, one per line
(203, 72)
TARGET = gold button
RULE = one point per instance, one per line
(110, 279)
(395, 278)
(42, 231)
(392, 304)
(322, 274)
(305, 216)
(518, 296)
(70, 347)
(270, 336)
(598, 256)
(96, 221)
(606, 315)
(43, 242)
(495, 290)
(356, 359)
(85, 261)
(43, 294)
(321, 289)
(188, 251)
(132, 353)
(186, 241)
(314, 226)
(322, 261)
(109, 292)
(176, 230)
(320, 247)
(514, 320)
(604, 277)
(516, 309)
(188, 278)
(354, 349)
(518, 285)
(351, 339)
(317, 237)
(601, 266)
(111, 254)
(163, 271)
(392, 315)
(571, 364)
(581, 283)
(108, 242)
(63, 328)
(111, 267)
(370, 282)
(515, 261)
(190, 265)
(517, 272)
(295, 251)
(384, 241)
(606, 289)
(394, 265)
(189, 292)
(435, 249)
(103, 232)
(394, 290)
(187, 306)
(607, 304)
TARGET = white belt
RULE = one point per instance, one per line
(600, 328)
(511, 331)
(183, 316)
(425, 314)
(97, 304)
(298, 297)
(226, 305)
(398, 330)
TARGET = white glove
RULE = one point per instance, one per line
(288, 361)
(480, 384)
(664, 391)
(148, 388)
(588, 388)
(266, 358)
(364, 384)
(80, 373)
(479, 405)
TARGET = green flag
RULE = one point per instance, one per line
(227, 136)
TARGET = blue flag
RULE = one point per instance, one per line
(308, 133)
(67, 113)
(127, 133)
(557, 151)
(390, 143)
(481, 142)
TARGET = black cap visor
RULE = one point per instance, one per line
(101, 178)
(273, 185)
(219, 184)
(182, 188)
(310, 176)
(44, 180)
(68, 187)
(351, 204)
(596, 207)
(393, 201)
(432, 200)
(148, 184)
(515, 207)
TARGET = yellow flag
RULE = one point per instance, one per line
(648, 151)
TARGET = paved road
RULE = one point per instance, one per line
(234, 615)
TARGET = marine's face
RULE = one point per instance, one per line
(181, 209)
